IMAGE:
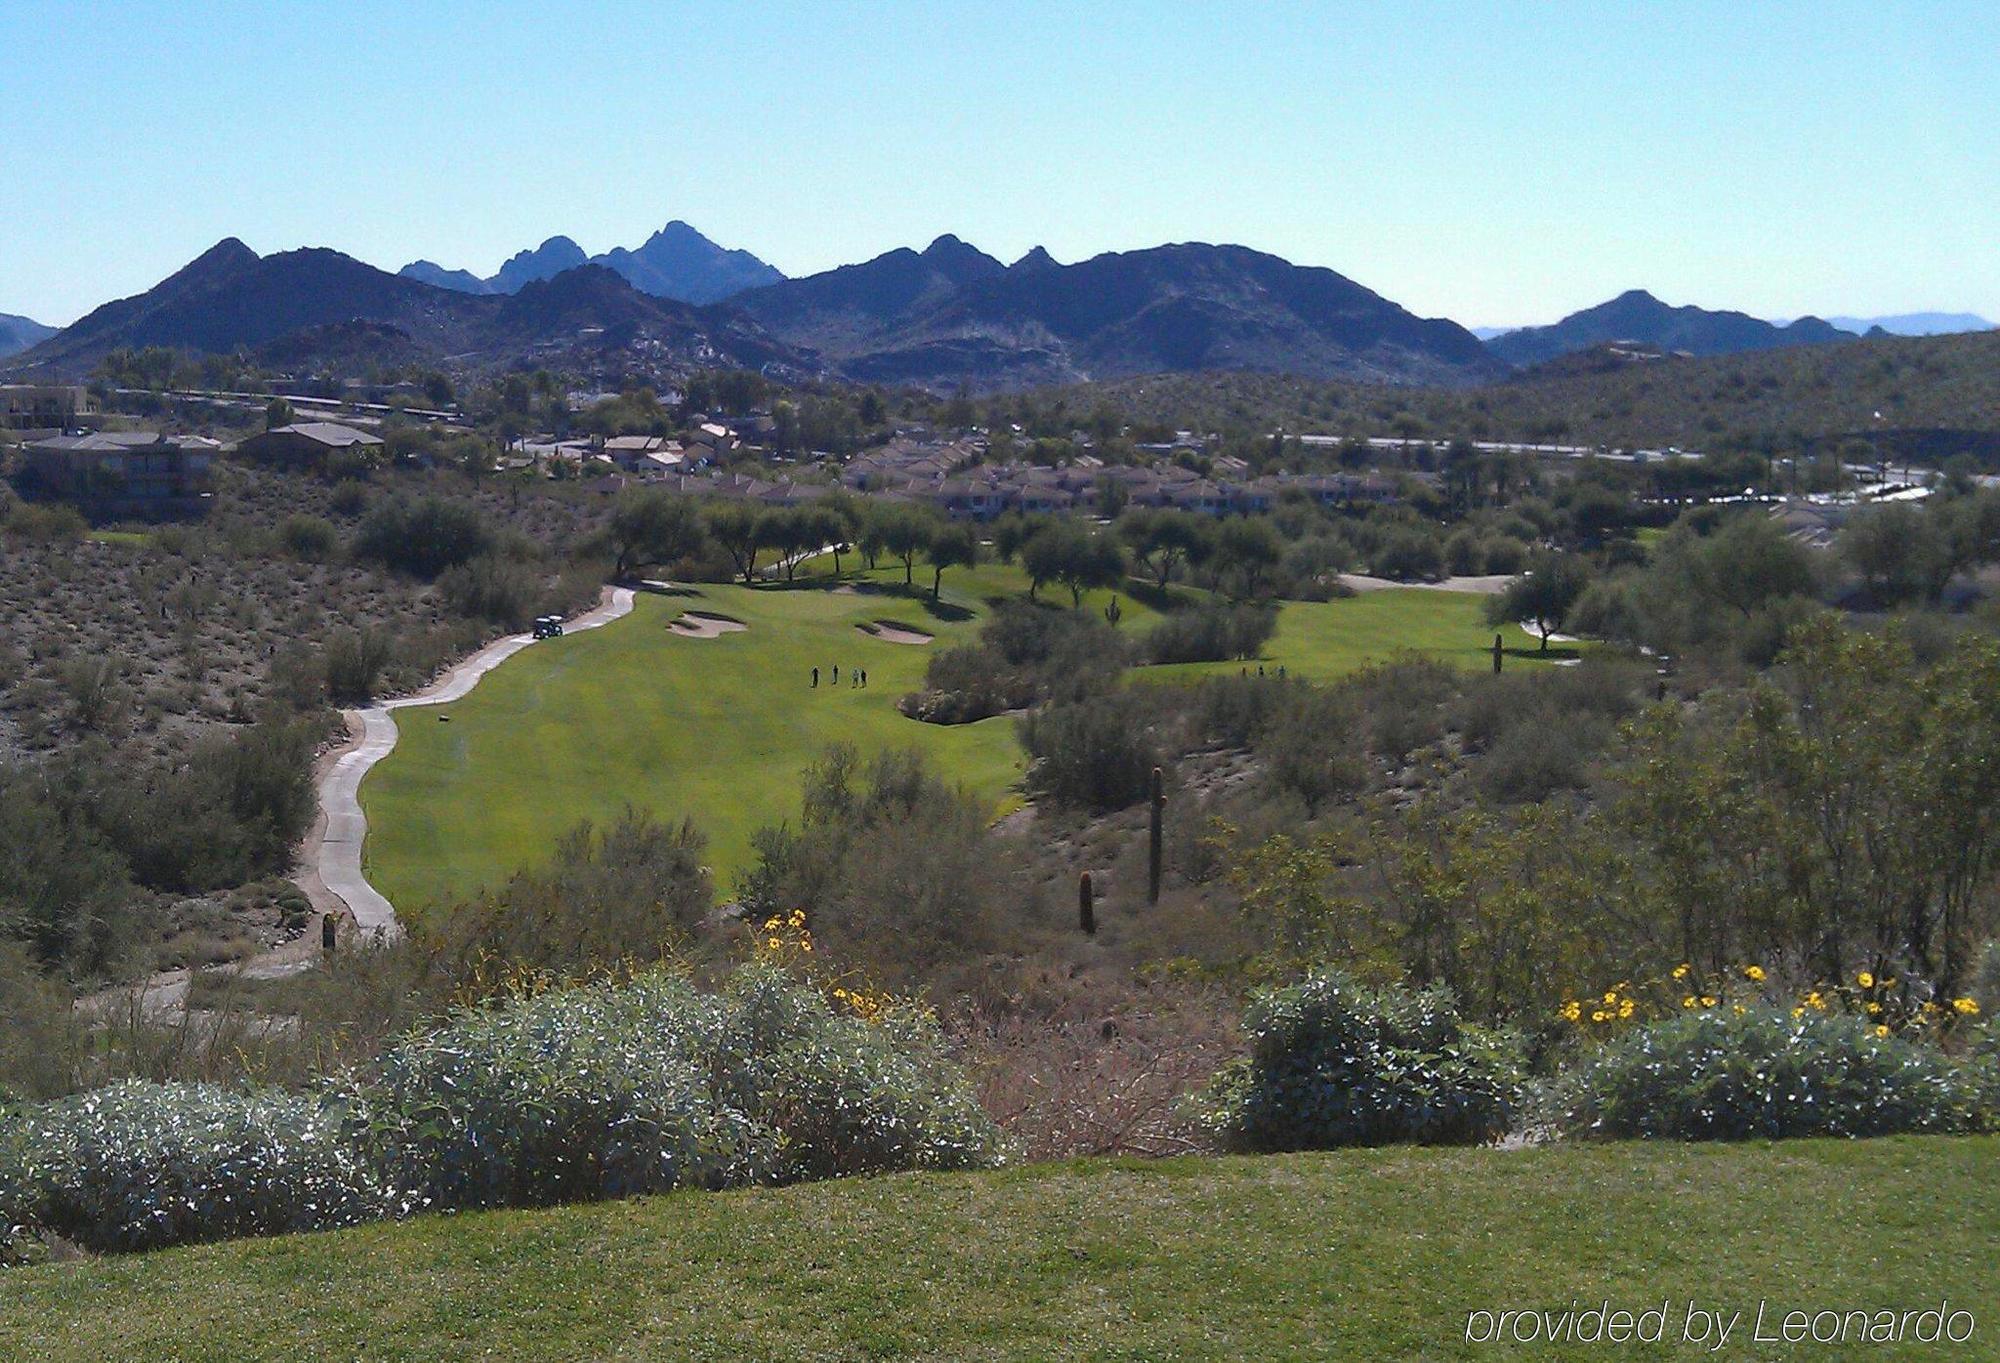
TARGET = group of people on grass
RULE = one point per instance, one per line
(856, 676)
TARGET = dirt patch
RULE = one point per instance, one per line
(705, 625)
(894, 632)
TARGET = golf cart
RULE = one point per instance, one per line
(548, 627)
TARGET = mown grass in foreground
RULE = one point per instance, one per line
(1364, 1255)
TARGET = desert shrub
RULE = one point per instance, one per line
(139, 1165)
(891, 862)
(1409, 555)
(1333, 1062)
(354, 661)
(43, 1043)
(425, 537)
(43, 522)
(633, 892)
(966, 683)
(606, 1091)
(492, 587)
(1713, 1074)
(1314, 744)
(1213, 632)
(1404, 702)
(65, 893)
(310, 539)
(1092, 754)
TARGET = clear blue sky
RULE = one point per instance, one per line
(1495, 163)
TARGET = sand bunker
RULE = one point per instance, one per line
(704, 625)
(894, 632)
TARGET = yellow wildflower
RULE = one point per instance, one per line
(1600, 1016)
(1881, 1030)
(1611, 996)
(1755, 972)
(1865, 979)
(1874, 1008)
(773, 943)
(1740, 1009)
(1708, 1000)
(1681, 971)
(1572, 1010)
(1625, 1009)
(1688, 1002)
(1965, 1007)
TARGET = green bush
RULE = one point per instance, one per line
(608, 1091)
(139, 1166)
(1212, 633)
(1714, 1075)
(1334, 1063)
(1094, 754)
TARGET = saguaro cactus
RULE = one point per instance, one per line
(1496, 655)
(1153, 847)
(1086, 905)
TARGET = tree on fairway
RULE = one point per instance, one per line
(954, 546)
(652, 527)
(906, 533)
(1163, 540)
(1542, 597)
(1248, 547)
(737, 527)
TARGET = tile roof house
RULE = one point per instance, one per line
(308, 443)
(122, 473)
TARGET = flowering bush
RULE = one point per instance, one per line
(141, 1165)
(1333, 1063)
(1716, 1073)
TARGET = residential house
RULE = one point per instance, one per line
(310, 444)
(123, 473)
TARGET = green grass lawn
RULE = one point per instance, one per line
(717, 729)
(1321, 639)
(1364, 1255)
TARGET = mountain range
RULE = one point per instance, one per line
(18, 333)
(1638, 316)
(949, 315)
(676, 262)
(314, 303)
(953, 314)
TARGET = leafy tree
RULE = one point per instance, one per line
(277, 412)
(906, 532)
(954, 546)
(738, 528)
(1163, 540)
(1248, 547)
(1543, 596)
(425, 537)
(653, 527)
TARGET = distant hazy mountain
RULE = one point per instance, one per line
(546, 261)
(1489, 333)
(317, 306)
(679, 262)
(675, 262)
(952, 314)
(1638, 316)
(18, 333)
(1915, 323)
(465, 281)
